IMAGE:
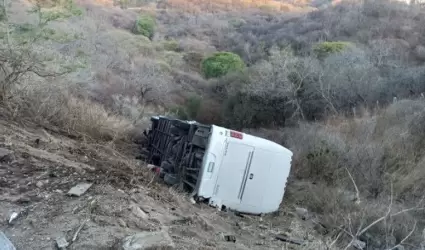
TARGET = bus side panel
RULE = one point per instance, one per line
(257, 179)
(279, 172)
(232, 171)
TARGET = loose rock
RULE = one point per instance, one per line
(139, 212)
(301, 212)
(5, 155)
(13, 216)
(39, 184)
(61, 243)
(79, 189)
(122, 222)
(148, 240)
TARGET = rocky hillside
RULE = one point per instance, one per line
(340, 85)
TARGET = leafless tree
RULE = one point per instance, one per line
(20, 54)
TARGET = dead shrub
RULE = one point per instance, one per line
(362, 176)
(48, 104)
(209, 112)
(140, 81)
(395, 119)
(417, 131)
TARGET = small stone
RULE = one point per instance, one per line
(301, 212)
(263, 227)
(59, 191)
(13, 216)
(61, 243)
(150, 166)
(138, 212)
(122, 222)
(39, 184)
(79, 189)
(148, 240)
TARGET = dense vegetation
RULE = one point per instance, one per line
(145, 25)
(329, 84)
(221, 63)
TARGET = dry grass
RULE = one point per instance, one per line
(50, 104)
(227, 5)
(383, 155)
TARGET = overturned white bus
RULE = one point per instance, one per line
(227, 168)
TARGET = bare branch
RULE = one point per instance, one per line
(405, 238)
(355, 186)
(380, 219)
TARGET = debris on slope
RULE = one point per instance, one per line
(5, 155)
(61, 242)
(79, 189)
(125, 211)
(13, 216)
(148, 240)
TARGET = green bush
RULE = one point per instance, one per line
(220, 64)
(324, 49)
(145, 25)
(171, 45)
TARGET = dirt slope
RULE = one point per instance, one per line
(44, 165)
